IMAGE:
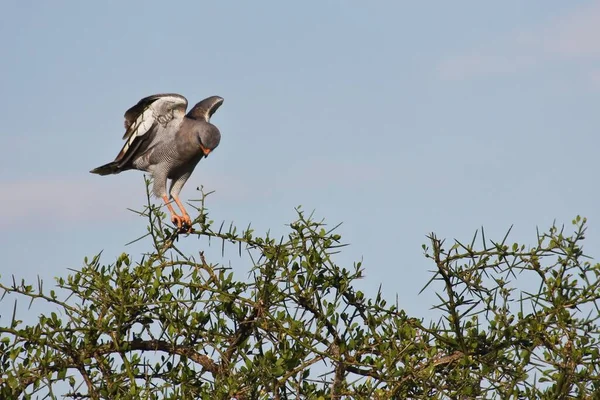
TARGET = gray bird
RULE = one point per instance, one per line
(167, 143)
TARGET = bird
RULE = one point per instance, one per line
(161, 139)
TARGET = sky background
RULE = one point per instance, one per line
(395, 118)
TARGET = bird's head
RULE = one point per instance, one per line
(209, 137)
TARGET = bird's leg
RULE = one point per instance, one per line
(176, 219)
(186, 218)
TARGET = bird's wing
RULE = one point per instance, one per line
(205, 108)
(147, 120)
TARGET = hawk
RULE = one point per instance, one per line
(161, 139)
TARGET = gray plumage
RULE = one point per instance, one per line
(165, 142)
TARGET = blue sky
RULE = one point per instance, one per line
(395, 118)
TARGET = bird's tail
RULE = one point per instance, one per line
(107, 169)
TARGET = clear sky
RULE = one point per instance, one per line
(395, 118)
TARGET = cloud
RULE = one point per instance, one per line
(571, 38)
(576, 35)
(475, 65)
(595, 77)
(60, 199)
(86, 199)
(82, 199)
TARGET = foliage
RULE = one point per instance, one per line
(175, 326)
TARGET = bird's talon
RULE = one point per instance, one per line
(177, 220)
(187, 224)
(183, 223)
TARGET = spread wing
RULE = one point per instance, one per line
(206, 108)
(146, 122)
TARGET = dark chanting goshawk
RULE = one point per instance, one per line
(167, 143)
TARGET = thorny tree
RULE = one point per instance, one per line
(176, 326)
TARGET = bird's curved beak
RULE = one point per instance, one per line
(205, 151)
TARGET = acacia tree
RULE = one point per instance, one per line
(176, 326)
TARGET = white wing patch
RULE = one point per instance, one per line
(140, 127)
(162, 110)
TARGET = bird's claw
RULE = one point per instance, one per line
(184, 223)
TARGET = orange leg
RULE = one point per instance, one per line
(176, 219)
(186, 218)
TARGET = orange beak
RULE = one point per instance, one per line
(205, 151)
